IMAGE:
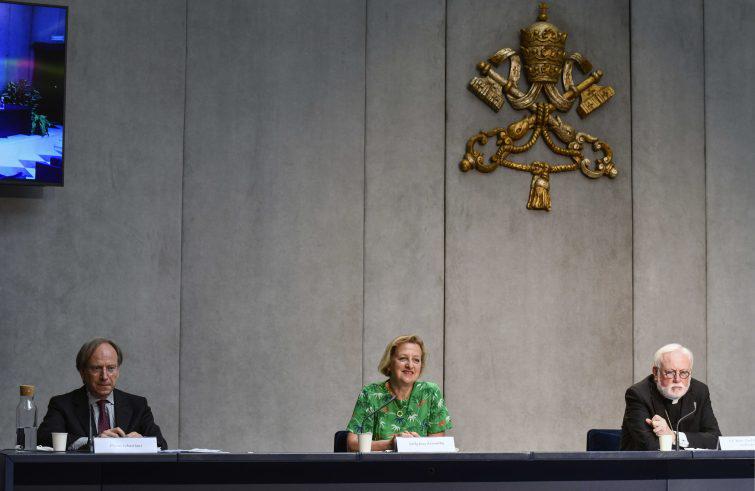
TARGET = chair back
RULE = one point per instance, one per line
(603, 440)
(339, 441)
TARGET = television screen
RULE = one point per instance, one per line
(32, 93)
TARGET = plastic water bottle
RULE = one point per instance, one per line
(26, 419)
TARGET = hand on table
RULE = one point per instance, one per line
(403, 434)
(112, 433)
(118, 433)
(408, 434)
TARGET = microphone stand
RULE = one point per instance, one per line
(680, 421)
(90, 441)
(373, 413)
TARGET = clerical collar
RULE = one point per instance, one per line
(668, 401)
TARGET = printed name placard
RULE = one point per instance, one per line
(428, 444)
(736, 442)
(126, 445)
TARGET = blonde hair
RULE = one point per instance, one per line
(384, 366)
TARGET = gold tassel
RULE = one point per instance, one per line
(540, 196)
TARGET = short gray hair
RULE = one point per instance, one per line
(88, 349)
(670, 348)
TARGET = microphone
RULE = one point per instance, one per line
(90, 442)
(682, 419)
(373, 413)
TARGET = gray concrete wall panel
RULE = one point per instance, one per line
(404, 179)
(101, 256)
(538, 305)
(730, 118)
(273, 214)
(669, 180)
(254, 278)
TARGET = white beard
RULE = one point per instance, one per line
(666, 391)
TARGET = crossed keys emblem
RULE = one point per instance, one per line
(545, 61)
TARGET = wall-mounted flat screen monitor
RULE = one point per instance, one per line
(32, 93)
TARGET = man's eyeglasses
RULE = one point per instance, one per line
(669, 374)
(94, 370)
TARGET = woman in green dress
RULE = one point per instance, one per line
(402, 405)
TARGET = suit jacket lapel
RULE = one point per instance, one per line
(657, 399)
(123, 410)
(81, 409)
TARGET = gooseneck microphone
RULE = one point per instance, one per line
(373, 413)
(90, 441)
(682, 419)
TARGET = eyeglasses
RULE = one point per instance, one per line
(669, 374)
(94, 370)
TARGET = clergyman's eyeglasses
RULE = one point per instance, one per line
(683, 374)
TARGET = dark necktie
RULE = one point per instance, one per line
(104, 421)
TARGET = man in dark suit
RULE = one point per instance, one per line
(656, 404)
(98, 408)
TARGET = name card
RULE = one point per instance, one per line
(736, 442)
(126, 445)
(428, 444)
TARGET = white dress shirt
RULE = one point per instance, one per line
(94, 411)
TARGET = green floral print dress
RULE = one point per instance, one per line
(424, 412)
